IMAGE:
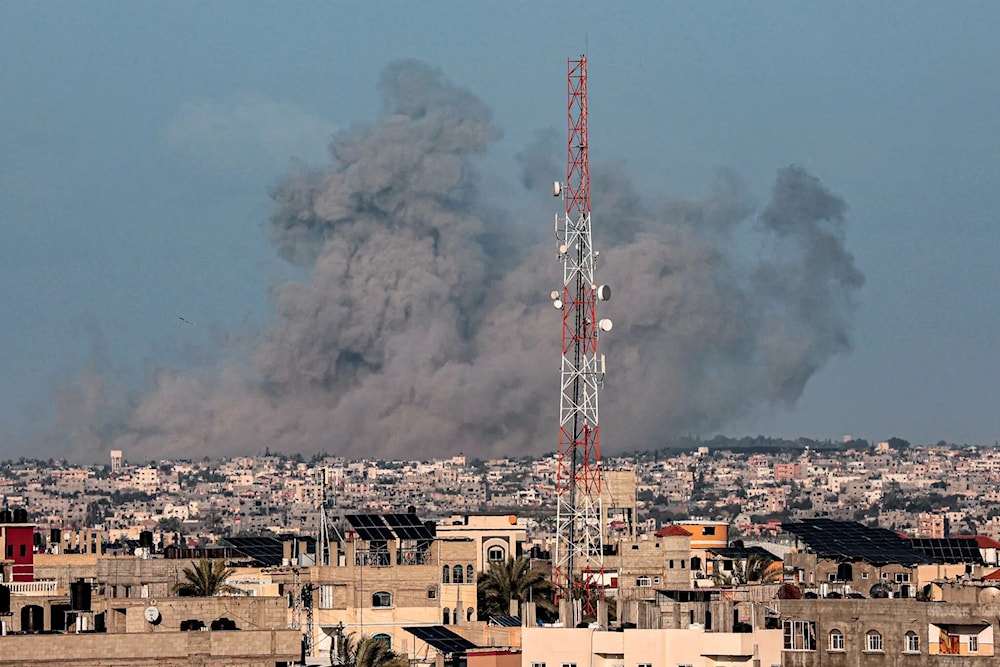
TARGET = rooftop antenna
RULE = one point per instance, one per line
(579, 549)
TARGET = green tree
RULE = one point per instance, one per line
(205, 579)
(754, 569)
(513, 579)
(366, 652)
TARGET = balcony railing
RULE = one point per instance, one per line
(412, 557)
(43, 587)
(371, 558)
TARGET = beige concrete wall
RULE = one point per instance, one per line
(256, 648)
(660, 648)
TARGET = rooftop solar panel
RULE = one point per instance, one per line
(949, 550)
(264, 551)
(441, 638)
(370, 527)
(505, 621)
(408, 526)
(846, 540)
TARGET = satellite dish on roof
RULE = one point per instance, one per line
(152, 614)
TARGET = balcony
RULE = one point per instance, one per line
(42, 587)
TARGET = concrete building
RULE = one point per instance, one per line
(497, 537)
(555, 647)
(887, 632)
(378, 587)
(148, 632)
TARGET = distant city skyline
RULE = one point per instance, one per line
(144, 268)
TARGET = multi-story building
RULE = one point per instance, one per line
(390, 572)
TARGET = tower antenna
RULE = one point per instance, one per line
(579, 551)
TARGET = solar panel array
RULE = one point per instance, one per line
(441, 638)
(949, 550)
(850, 541)
(265, 551)
(370, 527)
(505, 621)
(385, 527)
(408, 526)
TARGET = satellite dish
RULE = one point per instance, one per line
(558, 304)
(556, 188)
(605, 324)
(152, 614)
(604, 293)
(554, 295)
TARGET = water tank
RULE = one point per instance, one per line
(32, 618)
(223, 624)
(20, 515)
(146, 539)
(79, 596)
(191, 624)
(6, 516)
(4, 600)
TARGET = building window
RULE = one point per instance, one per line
(569, 664)
(902, 577)
(456, 574)
(24, 550)
(671, 564)
(432, 593)
(912, 642)
(538, 664)
(873, 642)
(496, 554)
(708, 530)
(683, 563)
(864, 575)
(836, 640)
(799, 635)
(645, 664)
(445, 575)
(470, 574)
(326, 596)
(643, 582)
(470, 614)
(383, 637)
(381, 600)
(446, 616)
(973, 644)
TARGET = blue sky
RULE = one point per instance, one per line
(140, 139)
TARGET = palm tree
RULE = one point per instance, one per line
(205, 579)
(366, 652)
(754, 569)
(513, 579)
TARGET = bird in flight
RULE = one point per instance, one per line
(185, 321)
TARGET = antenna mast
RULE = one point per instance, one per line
(579, 552)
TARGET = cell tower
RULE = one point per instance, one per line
(579, 552)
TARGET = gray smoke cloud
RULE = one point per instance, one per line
(425, 325)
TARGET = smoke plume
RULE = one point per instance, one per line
(425, 325)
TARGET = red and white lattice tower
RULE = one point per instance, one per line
(579, 552)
